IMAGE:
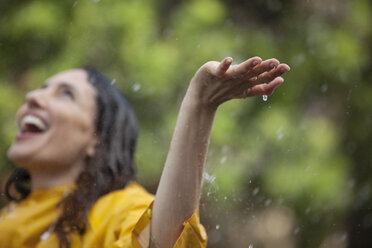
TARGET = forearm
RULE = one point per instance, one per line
(179, 189)
(213, 84)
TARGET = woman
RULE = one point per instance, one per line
(76, 139)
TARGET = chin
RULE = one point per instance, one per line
(23, 158)
(17, 158)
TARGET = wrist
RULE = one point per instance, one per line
(195, 98)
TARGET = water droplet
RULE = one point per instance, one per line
(96, 1)
(264, 97)
(343, 237)
(255, 191)
(113, 81)
(250, 246)
(45, 236)
(223, 159)
(209, 178)
(75, 3)
(308, 210)
(225, 198)
(279, 133)
(324, 88)
(136, 87)
(267, 202)
(217, 227)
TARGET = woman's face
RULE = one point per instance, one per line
(56, 130)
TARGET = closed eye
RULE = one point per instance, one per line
(68, 93)
(66, 90)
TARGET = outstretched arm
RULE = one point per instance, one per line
(180, 185)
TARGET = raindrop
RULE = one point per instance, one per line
(223, 159)
(198, 46)
(324, 88)
(45, 236)
(225, 198)
(343, 237)
(264, 97)
(209, 178)
(255, 191)
(308, 210)
(267, 202)
(75, 3)
(136, 87)
(96, 1)
(113, 81)
(250, 246)
(176, 38)
(217, 227)
(279, 133)
(296, 230)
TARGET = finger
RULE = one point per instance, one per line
(268, 76)
(246, 66)
(224, 66)
(265, 89)
(265, 66)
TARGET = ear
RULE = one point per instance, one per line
(91, 147)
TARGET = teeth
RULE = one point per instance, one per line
(32, 120)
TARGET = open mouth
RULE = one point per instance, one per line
(31, 124)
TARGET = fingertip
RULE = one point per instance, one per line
(273, 85)
(282, 68)
(285, 67)
(228, 60)
(273, 63)
(274, 60)
(280, 80)
(256, 60)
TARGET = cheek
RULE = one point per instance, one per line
(78, 131)
(70, 137)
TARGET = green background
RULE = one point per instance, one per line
(292, 171)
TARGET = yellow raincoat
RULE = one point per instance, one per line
(119, 219)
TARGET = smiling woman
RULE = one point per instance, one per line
(76, 142)
(56, 128)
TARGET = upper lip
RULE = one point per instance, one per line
(33, 113)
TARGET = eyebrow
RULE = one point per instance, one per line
(61, 85)
(66, 86)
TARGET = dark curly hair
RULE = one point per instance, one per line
(111, 168)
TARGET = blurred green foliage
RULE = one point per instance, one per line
(307, 148)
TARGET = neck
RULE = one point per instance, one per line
(44, 179)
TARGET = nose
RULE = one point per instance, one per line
(35, 99)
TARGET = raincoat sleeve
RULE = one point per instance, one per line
(135, 231)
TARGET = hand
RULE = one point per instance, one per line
(218, 82)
